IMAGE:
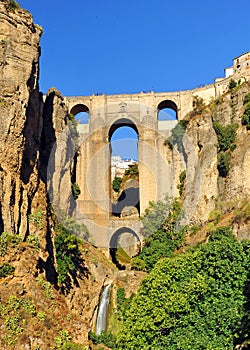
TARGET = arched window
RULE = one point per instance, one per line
(81, 113)
(167, 110)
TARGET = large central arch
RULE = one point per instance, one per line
(129, 197)
(119, 123)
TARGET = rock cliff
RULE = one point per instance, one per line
(21, 119)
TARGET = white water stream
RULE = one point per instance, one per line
(102, 315)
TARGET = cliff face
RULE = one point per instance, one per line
(206, 189)
(21, 122)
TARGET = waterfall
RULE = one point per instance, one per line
(102, 315)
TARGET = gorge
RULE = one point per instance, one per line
(60, 241)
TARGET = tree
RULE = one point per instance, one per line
(163, 234)
(116, 184)
(195, 300)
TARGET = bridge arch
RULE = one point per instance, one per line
(81, 113)
(126, 239)
(118, 123)
(128, 201)
(167, 110)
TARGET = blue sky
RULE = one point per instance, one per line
(116, 46)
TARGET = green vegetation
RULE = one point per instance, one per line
(12, 5)
(132, 171)
(198, 107)
(63, 342)
(232, 84)
(197, 300)
(215, 216)
(226, 145)
(123, 303)
(246, 115)
(8, 240)
(33, 241)
(105, 338)
(46, 286)
(116, 184)
(14, 313)
(6, 269)
(68, 255)
(226, 135)
(36, 218)
(176, 137)
(182, 178)
(163, 234)
(75, 190)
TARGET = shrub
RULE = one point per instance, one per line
(232, 84)
(36, 218)
(138, 264)
(68, 255)
(6, 269)
(182, 178)
(215, 215)
(12, 5)
(223, 163)
(226, 144)
(33, 241)
(246, 99)
(226, 135)
(198, 105)
(8, 239)
(246, 115)
(107, 338)
(132, 171)
(75, 190)
(116, 184)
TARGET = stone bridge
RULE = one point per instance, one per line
(107, 113)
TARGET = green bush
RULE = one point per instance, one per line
(162, 231)
(68, 255)
(232, 84)
(246, 99)
(138, 264)
(106, 338)
(226, 144)
(182, 178)
(6, 269)
(75, 190)
(116, 184)
(33, 241)
(223, 163)
(246, 115)
(226, 135)
(36, 218)
(12, 5)
(132, 171)
(8, 240)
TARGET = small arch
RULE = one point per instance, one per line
(167, 110)
(81, 113)
(119, 123)
(130, 244)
